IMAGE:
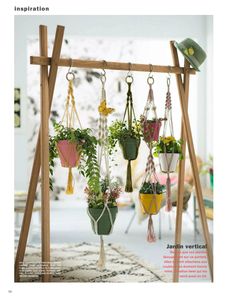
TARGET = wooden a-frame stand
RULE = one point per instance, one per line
(41, 158)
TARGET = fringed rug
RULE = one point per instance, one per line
(77, 263)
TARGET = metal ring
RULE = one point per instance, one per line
(150, 80)
(129, 79)
(68, 77)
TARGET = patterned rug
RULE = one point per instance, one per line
(77, 263)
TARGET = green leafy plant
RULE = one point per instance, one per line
(119, 131)
(86, 146)
(148, 188)
(168, 145)
(108, 194)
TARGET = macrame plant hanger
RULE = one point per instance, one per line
(69, 117)
(150, 171)
(103, 154)
(131, 118)
(168, 122)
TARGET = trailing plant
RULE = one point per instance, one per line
(168, 145)
(108, 194)
(86, 146)
(149, 188)
(119, 131)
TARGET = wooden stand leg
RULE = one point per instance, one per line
(178, 225)
(44, 152)
(36, 163)
(193, 161)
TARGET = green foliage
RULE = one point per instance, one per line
(168, 145)
(87, 147)
(108, 195)
(119, 131)
(149, 188)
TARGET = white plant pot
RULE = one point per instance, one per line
(168, 162)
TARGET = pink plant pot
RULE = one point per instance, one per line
(68, 154)
(151, 130)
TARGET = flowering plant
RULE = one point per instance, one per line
(108, 194)
(168, 145)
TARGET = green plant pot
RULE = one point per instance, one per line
(130, 148)
(104, 224)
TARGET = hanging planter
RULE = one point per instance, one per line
(102, 206)
(169, 151)
(127, 133)
(168, 162)
(151, 129)
(105, 219)
(72, 144)
(68, 153)
(130, 147)
(150, 197)
(102, 193)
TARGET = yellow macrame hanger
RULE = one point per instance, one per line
(69, 117)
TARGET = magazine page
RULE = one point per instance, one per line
(114, 154)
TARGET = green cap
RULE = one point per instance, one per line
(192, 52)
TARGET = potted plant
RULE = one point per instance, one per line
(102, 206)
(151, 196)
(75, 148)
(169, 151)
(129, 139)
(151, 129)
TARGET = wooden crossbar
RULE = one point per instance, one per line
(44, 61)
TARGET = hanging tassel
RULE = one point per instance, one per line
(69, 188)
(151, 238)
(168, 194)
(102, 256)
(128, 186)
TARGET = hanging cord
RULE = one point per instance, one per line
(168, 116)
(150, 171)
(104, 111)
(130, 114)
(69, 116)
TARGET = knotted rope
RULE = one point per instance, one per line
(103, 153)
(151, 133)
(168, 122)
(69, 117)
(130, 114)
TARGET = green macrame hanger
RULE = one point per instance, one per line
(130, 114)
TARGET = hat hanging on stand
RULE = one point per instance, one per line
(192, 52)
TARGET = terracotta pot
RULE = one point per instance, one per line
(151, 130)
(104, 225)
(168, 160)
(130, 148)
(68, 154)
(150, 203)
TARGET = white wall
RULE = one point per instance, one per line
(167, 27)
